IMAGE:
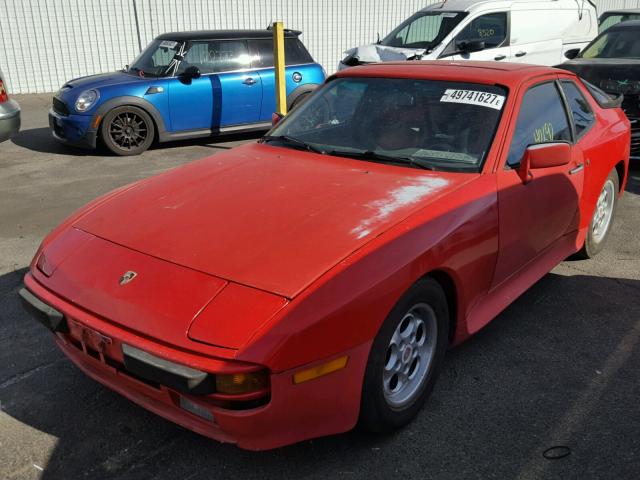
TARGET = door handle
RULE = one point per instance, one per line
(500, 57)
(521, 54)
(577, 169)
(249, 81)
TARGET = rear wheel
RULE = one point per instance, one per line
(603, 216)
(405, 358)
(127, 130)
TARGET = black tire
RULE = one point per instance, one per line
(127, 130)
(593, 243)
(376, 413)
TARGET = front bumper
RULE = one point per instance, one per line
(9, 119)
(324, 406)
(76, 130)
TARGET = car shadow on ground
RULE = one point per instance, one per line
(41, 140)
(558, 367)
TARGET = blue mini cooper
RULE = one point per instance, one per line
(183, 85)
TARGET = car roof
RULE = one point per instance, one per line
(490, 73)
(223, 34)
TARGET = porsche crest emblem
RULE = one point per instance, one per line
(127, 277)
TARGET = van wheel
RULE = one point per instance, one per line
(127, 131)
(602, 219)
(405, 358)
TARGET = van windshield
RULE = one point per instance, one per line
(423, 30)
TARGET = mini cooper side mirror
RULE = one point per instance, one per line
(571, 54)
(544, 155)
(191, 72)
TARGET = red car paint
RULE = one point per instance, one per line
(270, 257)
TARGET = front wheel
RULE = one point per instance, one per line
(602, 219)
(405, 358)
(127, 130)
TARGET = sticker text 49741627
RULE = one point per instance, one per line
(473, 97)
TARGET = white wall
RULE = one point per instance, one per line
(44, 43)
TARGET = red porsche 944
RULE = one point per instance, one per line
(296, 286)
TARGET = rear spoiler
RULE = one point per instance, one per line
(287, 31)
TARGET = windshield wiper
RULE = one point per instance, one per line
(293, 142)
(380, 157)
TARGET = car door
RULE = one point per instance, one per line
(491, 29)
(191, 99)
(536, 214)
(240, 86)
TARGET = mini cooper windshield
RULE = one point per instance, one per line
(157, 59)
(436, 125)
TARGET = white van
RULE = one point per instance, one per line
(532, 31)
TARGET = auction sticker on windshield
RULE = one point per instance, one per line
(473, 97)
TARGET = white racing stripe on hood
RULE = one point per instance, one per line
(381, 53)
(397, 199)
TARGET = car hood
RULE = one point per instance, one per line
(380, 53)
(266, 217)
(610, 74)
(78, 85)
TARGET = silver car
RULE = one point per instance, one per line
(9, 113)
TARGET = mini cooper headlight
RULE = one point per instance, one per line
(86, 99)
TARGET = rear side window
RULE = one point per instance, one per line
(490, 29)
(542, 119)
(583, 116)
(262, 53)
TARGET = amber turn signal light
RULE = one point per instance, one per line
(320, 370)
(238, 383)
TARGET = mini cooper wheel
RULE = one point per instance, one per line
(127, 131)
(603, 216)
(405, 358)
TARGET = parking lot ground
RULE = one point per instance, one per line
(561, 366)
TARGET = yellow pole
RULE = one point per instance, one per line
(278, 60)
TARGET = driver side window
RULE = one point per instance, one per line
(542, 119)
(490, 29)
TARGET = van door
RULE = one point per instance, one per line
(490, 31)
(536, 35)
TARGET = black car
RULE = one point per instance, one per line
(612, 63)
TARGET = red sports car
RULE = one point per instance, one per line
(289, 288)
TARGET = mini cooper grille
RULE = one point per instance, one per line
(60, 107)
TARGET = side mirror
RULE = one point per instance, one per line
(571, 54)
(544, 155)
(191, 72)
(275, 118)
(470, 46)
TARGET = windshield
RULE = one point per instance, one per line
(610, 19)
(438, 125)
(156, 59)
(623, 43)
(423, 30)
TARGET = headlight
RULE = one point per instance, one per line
(86, 100)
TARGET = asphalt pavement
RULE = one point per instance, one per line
(560, 367)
